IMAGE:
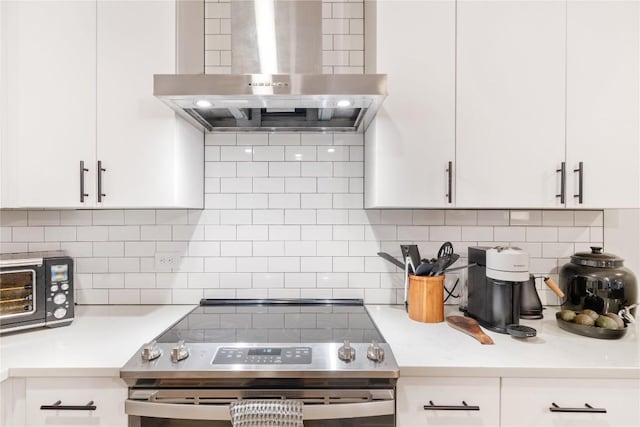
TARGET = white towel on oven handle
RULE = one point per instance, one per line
(261, 413)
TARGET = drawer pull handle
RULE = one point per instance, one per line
(463, 407)
(58, 406)
(587, 408)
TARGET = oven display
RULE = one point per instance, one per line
(59, 273)
(265, 351)
(263, 356)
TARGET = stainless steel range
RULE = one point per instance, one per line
(326, 353)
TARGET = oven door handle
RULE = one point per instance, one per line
(221, 412)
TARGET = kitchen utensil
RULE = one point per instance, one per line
(597, 281)
(411, 252)
(438, 267)
(470, 327)
(450, 261)
(426, 298)
(445, 249)
(424, 268)
(530, 304)
(591, 331)
(391, 259)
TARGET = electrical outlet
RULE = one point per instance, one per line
(167, 261)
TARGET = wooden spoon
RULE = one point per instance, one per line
(470, 327)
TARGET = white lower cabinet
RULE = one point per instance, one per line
(417, 399)
(107, 394)
(12, 413)
(528, 402)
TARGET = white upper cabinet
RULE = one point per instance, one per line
(510, 103)
(151, 158)
(77, 86)
(48, 96)
(411, 141)
(603, 103)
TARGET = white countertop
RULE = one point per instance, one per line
(98, 342)
(102, 338)
(436, 349)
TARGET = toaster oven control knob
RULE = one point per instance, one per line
(150, 351)
(375, 352)
(179, 352)
(64, 286)
(346, 352)
(59, 299)
(59, 312)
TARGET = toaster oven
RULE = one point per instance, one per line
(36, 289)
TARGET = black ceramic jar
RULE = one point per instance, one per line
(598, 281)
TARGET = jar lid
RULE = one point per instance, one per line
(596, 258)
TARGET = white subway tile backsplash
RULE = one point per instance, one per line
(139, 217)
(299, 248)
(557, 218)
(92, 265)
(209, 249)
(44, 217)
(219, 264)
(268, 248)
(300, 216)
(461, 217)
(253, 232)
(300, 153)
(172, 216)
(428, 217)
(332, 248)
(220, 201)
(268, 216)
(108, 280)
(108, 249)
(236, 153)
(574, 234)
(557, 250)
(252, 139)
(124, 265)
(135, 249)
(220, 139)
(315, 264)
(252, 169)
(445, 233)
(335, 26)
(15, 218)
(284, 201)
(155, 296)
(76, 249)
(348, 169)
(219, 169)
(155, 232)
(316, 139)
(525, 218)
(412, 233)
(284, 232)
(317, 169)
(332, 216)
(268, 280)
(220, 232)
(542, 234)
(59, 234)
(236, 185)
(316, 201)
(268, 153)
(300, 185)
(173, 280)
(226, 249)
(348, 201)
(73, 217)
(235, 281)
(252, 201)
(43, 246)
(284, 139)
(477, 234)
(28, 234)
(589, 218)
(284, 169)
(108, 217)
(299, 280)
(509, 234)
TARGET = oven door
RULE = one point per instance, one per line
(22, 297)
(200, 408)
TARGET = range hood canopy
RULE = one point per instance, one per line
(277, 81)
(274, 102)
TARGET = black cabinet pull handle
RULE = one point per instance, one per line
(58, 406)
(580, 171)
(463, 407)
(563, 178)
(82, 171)
(100, 170)
(449, 182)
(587, 408)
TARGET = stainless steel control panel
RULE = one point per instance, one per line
(263, 356)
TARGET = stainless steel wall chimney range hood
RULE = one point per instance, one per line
(276, 82)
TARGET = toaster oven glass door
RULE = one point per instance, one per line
(17, 293)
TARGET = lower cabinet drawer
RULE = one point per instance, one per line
(570, 402)
(439, 401)
(62, 402)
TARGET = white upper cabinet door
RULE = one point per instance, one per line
(411, 141)
(510, 103)
(603, 103)
(151, 159)
(48, 97)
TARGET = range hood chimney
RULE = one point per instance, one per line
(276, 82)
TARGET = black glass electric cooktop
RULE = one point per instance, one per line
(275, 321)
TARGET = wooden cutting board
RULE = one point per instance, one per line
(470, 327)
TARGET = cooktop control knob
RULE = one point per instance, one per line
(179, 352)
(375, 352)
(346, 352)
(150, 351)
